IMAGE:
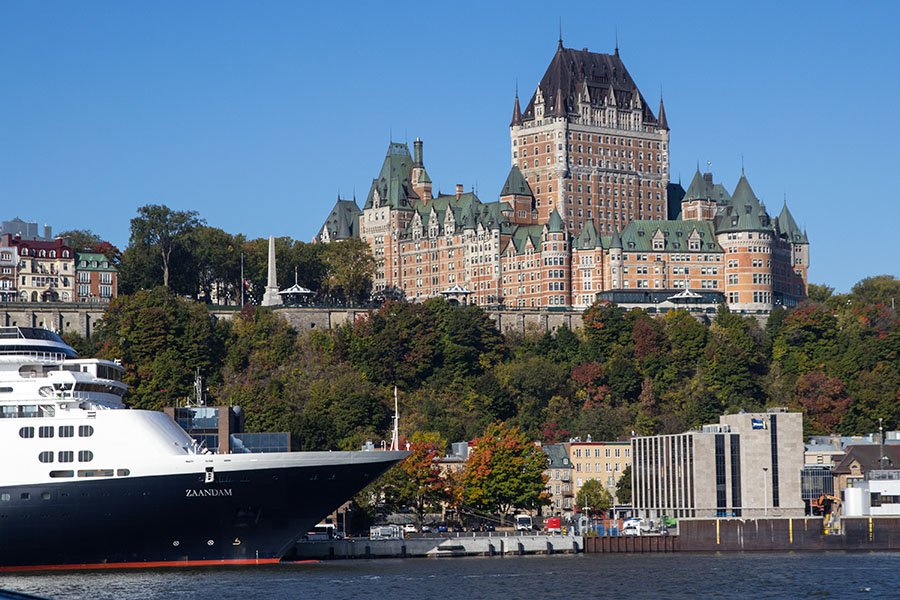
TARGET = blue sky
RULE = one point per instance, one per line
(257, 114)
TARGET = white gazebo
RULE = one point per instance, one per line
(457, 293)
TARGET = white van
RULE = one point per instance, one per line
(631, 527)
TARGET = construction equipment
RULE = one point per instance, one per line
(831, 513)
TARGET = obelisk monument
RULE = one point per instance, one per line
(271, 297)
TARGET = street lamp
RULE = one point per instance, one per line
(766, 491)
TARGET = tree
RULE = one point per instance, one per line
(161, 339)
(593, 496)
(824, 400)
(159, 228)
(881, 289)
(351, 268)
(81, 240)
(819, 293)
(416, 483)
(623, 487)
(505, 472)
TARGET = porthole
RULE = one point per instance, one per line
(26, 432)
(85, 456)
(85, 431)
(4, 497)
(46, 457)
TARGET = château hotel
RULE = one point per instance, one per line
(587, 207)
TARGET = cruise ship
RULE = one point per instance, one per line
(87, 483)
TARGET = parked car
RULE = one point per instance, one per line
(457, 528)
(426, 528)
(409, 528)
(441, 528)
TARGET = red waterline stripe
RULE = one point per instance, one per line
(146, 565)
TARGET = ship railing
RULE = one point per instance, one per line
(19, 356)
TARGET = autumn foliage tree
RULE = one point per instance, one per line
(416, 483)
(505, 472)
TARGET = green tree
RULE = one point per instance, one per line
(161, 230)
(81, 240)
(623, 487)
(161, 340)
(819, 293)
(593, 496)
(881, 289)
(505, 472)
(350, 268)
(605, 324)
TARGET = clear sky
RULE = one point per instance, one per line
(257, 114)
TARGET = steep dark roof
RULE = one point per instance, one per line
(517, 112)
(342, 221)
(515, 184)
(663, 122)
(604, 74)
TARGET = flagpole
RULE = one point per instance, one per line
(242, 280)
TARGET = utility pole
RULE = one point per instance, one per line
(242, 280)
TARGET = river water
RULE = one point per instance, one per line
(765, 575)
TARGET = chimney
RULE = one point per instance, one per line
(459, 190)
(707, 177)
(417, 153)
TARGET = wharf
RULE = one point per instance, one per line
(768, 535)
(461, 544)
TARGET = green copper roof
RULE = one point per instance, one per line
(343, 221)
(588, 238)
(743, 212)
(698, 190)
(555, 224)
(93, 261)
(515, 184)
(615, 241)
(638, 236)
(393, 182)
(788, 226)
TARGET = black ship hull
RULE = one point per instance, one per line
(251, 516)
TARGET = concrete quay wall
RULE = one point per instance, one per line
(496, 545)
(765, 535)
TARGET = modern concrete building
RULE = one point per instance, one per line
(747, 465)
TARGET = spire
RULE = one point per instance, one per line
(560, 47)
(616, 241)
(559, 109)
(662, 114)
(517, 112)
(271, 297)
(617, 40)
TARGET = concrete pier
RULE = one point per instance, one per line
(464, 545)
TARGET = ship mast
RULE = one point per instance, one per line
(395, 437)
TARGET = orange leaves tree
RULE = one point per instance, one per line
(416, 483)
(505, 472)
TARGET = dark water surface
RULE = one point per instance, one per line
(790, 575)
